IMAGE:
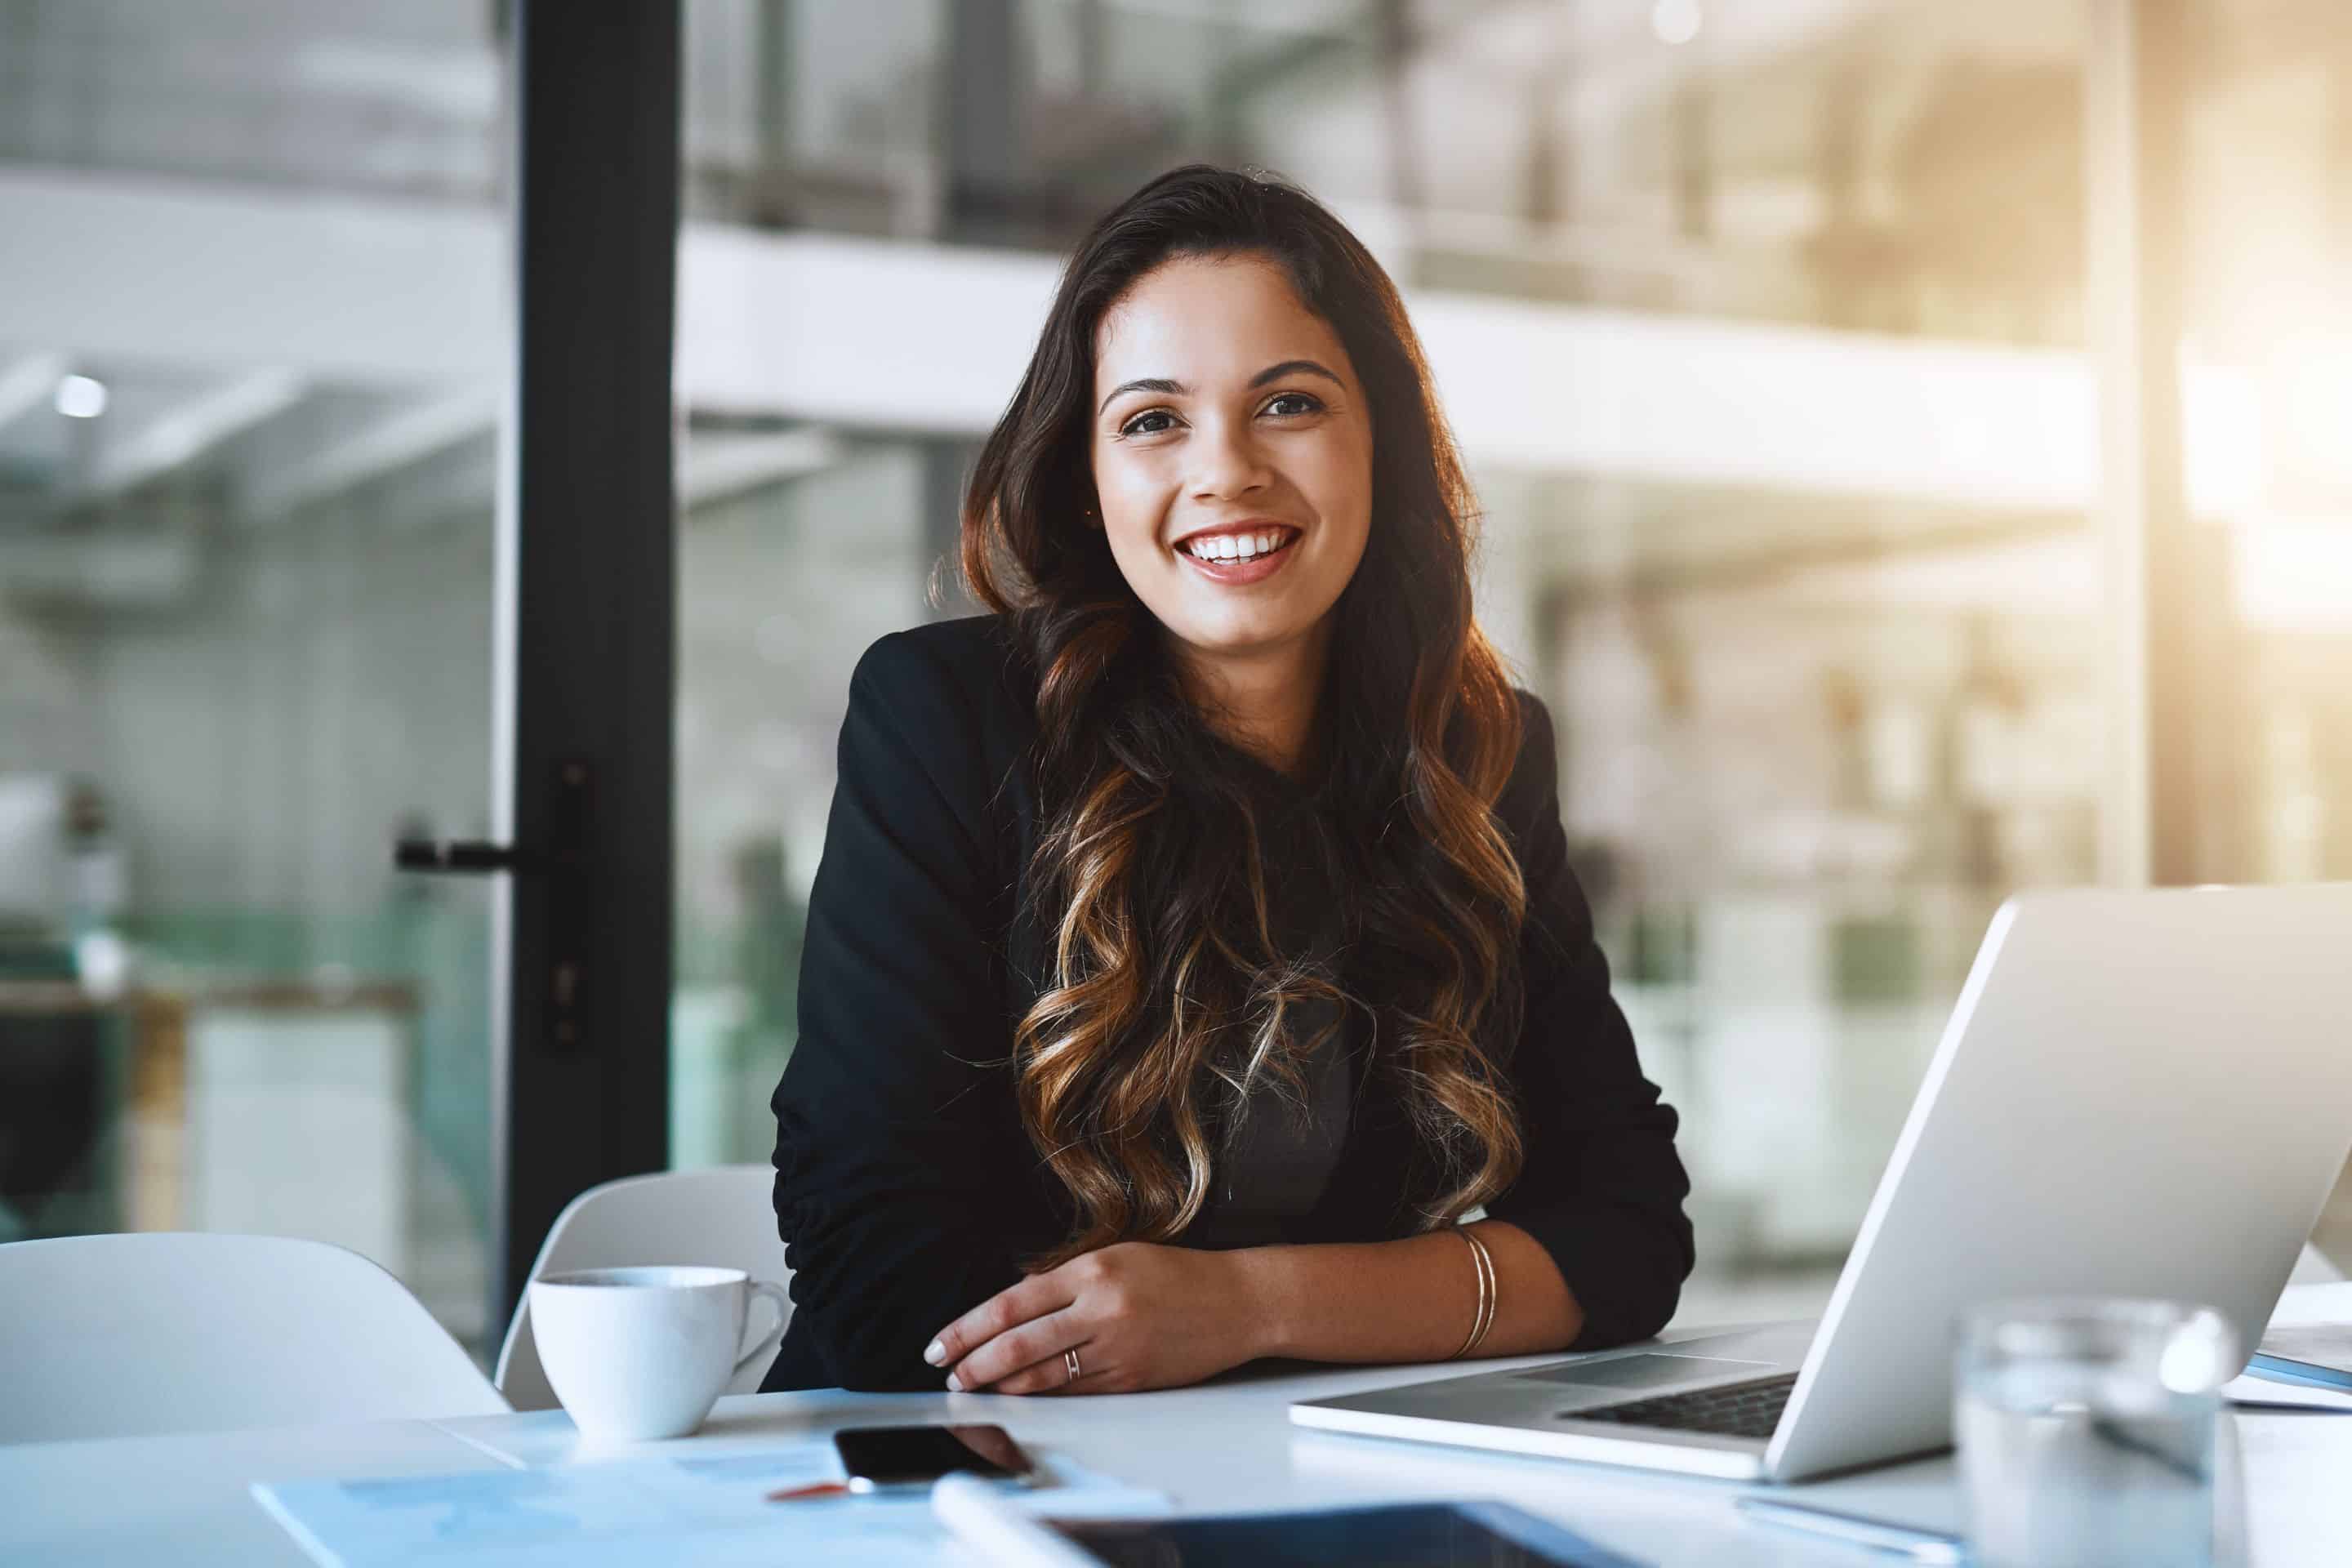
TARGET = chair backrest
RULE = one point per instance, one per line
(112, 1336)
(723, 1216)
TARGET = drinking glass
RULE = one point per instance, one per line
(2086, 1432)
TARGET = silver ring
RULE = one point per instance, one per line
(1070, 1365)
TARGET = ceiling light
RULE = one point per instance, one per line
(80, 397)
(1676, 21)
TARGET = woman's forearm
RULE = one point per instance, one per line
(1406, 1300)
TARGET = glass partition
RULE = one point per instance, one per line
(2269, 269)
(248, 411)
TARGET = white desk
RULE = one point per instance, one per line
(183, 1500)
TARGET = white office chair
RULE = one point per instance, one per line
(723, 1216)
(114, 1336)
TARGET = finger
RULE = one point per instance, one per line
(1108, 1381)
(1038, 1340)
(1051, 1375)
(1008, 1309)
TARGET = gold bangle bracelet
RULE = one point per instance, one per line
(1477, 1310)
(1482, 1317)
(1494, 1294)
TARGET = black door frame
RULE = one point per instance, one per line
(586, 644)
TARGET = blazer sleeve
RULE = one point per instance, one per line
(899, 1193)
(1600, 1186)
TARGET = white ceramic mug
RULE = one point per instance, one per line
(637, 1354)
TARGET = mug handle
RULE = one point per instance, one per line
(774, 1336)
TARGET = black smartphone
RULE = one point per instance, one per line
(877, 1457)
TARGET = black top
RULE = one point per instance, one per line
(1276, 1157)
(906, 1192)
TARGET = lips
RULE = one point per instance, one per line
(1236, 556)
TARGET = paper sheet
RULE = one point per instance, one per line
(687, 1509)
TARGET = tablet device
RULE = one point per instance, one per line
(1409, 1535)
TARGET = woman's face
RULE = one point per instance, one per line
(1232, 456)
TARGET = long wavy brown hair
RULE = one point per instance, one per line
(1169, 997)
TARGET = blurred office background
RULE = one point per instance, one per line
(1764, 324)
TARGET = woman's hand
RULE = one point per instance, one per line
(1138, 1315)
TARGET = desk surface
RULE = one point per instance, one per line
(183, 1500)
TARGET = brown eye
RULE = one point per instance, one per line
(1142, 423)
(1300, 403)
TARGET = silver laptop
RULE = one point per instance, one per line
(2138, 1094)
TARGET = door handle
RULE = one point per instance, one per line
(465, 855)
(566, 880)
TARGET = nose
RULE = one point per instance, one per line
(1226, 460)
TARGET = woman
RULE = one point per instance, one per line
(1194, 944)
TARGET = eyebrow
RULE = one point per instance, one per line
(1178, 389)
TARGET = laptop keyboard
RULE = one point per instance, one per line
(1733, 1410)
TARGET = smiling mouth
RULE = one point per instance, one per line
(1236, 549)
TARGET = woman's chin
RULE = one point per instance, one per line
(1243, 636)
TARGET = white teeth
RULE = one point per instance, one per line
(1234, 546)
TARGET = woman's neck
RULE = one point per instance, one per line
(1264, 699)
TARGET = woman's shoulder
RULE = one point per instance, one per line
(955, 691)
(971, 664)
(1530, 793)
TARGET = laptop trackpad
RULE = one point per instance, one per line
(1647, 1370)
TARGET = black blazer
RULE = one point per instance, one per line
(906, 1192)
